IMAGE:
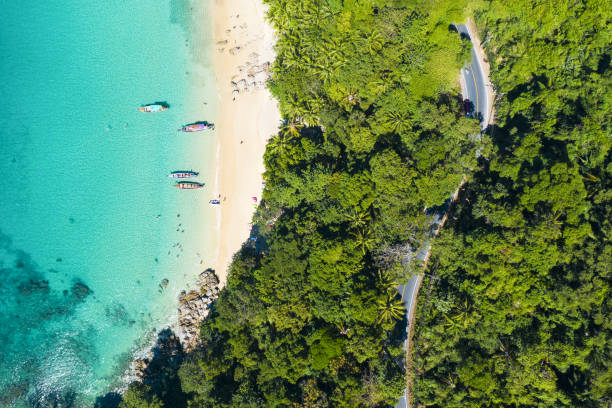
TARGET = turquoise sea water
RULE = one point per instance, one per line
(90, 224)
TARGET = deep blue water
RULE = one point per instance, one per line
(89, 222)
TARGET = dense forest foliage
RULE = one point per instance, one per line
(515, 309)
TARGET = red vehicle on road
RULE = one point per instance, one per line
(468, 108)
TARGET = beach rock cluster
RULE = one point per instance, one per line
(166, 354)
(172, 343)
(194, 307)
(252, 76)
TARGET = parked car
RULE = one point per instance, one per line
(468, 108)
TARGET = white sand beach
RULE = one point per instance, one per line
(245, 120)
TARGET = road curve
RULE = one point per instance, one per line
(473, 87)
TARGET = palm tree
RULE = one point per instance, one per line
(386, 281)
(278, 15)
(358, 219)
(378, 86)
(300, 111)
(328, 13)
(374, 42)
(290, 59)
(291, 128)
(280, 142)
(323, 71)
(464, 318)
(398, 122)
(364, 239)
(288, 131)
(390, 308)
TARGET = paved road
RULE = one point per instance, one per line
(473, 88)
(408, 293)
(408, 289)
(473, 80)
(402, 402)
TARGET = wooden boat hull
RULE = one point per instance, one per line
(188, 185)
(153, 108)
(183, 174)
(196, 127)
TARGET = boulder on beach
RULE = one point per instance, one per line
(194, 307)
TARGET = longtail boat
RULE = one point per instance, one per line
(154, 107)
(183, 174)
(197, 127)
(188, 185)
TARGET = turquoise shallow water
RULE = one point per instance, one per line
(90, 224)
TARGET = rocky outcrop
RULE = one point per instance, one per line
(156, 366)
(79, 291)
(252, 76)
(174, 342)
(194, 307)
